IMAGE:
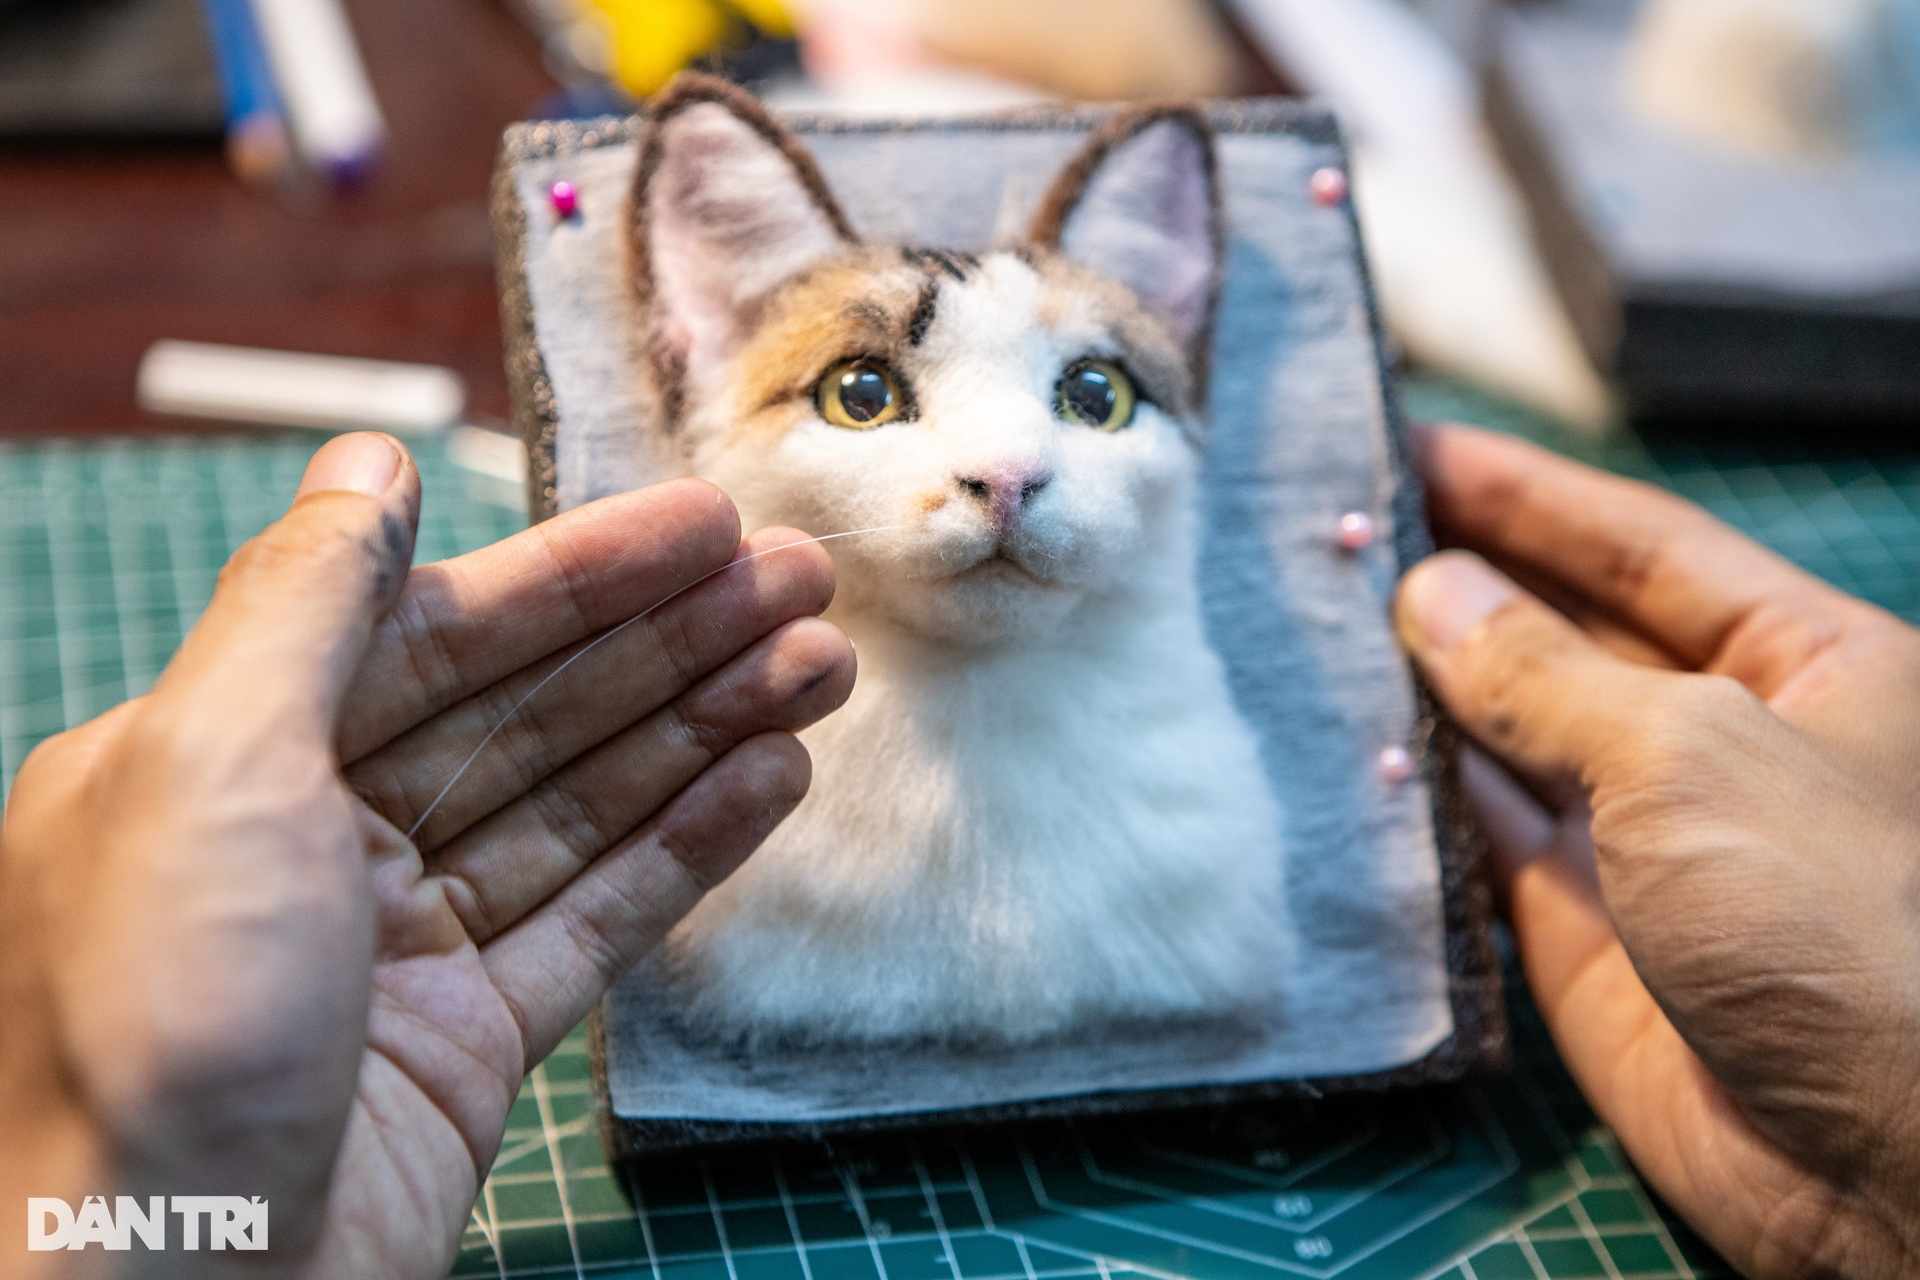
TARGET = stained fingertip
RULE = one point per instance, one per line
(824, 668)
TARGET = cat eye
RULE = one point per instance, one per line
(1095, 393)
(858, 394)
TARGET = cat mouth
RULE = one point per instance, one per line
(1003, 564)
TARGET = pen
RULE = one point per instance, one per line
(257, 145)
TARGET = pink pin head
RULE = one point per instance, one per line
(1328, 186)
(1356, 530)
(565, 199)
(1395, 764)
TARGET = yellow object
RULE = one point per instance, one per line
(647, 41)
(769, 15)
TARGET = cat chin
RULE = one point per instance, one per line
(996, 602)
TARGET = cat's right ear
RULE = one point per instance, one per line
(1141, 203)
(727, 207)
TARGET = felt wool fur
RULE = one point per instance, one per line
(1040, 807)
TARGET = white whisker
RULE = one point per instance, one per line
(604, 637)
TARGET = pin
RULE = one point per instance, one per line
(1395, 764)
(565, 198)
(1328, 186)
(1356, 531)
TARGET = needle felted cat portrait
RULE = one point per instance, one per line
(1041, 809)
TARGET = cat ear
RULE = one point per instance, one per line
(727, 206)
(1141, 204)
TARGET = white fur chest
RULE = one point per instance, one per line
(1002, 843)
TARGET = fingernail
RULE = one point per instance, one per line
(1447, 596)
(363, 462)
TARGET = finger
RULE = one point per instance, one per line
(1524, 681)
(462, 624)
(1607, 628)
(294, 607)
(507, 865)
(557, 962)
(528, 725)
(1695, 586)
(1516, 825)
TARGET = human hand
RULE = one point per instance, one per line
(227, 971)
(1712, 858)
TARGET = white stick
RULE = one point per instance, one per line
(291, 389)
(337, 124)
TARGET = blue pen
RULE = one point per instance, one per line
(257, 143)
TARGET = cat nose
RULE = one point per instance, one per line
(1005, 492)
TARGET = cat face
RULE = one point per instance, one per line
(1026, 418)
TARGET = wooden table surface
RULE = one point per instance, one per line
(104, 251)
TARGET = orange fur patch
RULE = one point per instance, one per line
(855, 304)
(862, 303)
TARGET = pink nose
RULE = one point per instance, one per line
(1005, 492)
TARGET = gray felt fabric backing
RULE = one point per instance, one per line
(1393, 965)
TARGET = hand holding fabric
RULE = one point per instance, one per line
(1708, 833)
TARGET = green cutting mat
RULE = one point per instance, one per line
(109, 551)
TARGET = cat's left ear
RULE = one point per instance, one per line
(1141, 203)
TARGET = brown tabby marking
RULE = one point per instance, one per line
(880, 301)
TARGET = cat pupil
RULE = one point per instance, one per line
(1090, 395)
(864, 394)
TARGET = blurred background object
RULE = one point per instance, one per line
(294, 389)
(105, 249)
(1683, 208)
(1461, 283)
(1777, 78)
(330, 109)
(259, 143)
(612, 54)
(1099, 50)
(129, 69)
(1727, 200)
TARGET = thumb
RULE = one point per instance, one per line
(1531, 686)
(294, 607)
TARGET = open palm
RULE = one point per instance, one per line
(229, 970)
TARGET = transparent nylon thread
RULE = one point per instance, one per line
(602, 638)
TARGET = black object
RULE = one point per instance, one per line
(134, 70)
(1707, 284)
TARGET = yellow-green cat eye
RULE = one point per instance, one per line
(858, 394)
(1095, 393)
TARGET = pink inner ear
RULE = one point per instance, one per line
(1146, 219)
(730, 220)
